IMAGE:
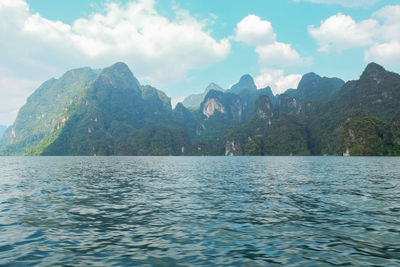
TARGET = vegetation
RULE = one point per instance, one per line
(315, 88)
(107, 112)
(154, 141)
(365, 135)
(42, 115)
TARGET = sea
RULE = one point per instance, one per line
(199, 211)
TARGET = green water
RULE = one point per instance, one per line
(199, 211)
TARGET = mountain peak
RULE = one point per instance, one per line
(121, 72)
(179, 106)
(246, 82)
(246, 79)
(213, 86)
(77, 71)
(308, 79)
(118, 69)
(372, 70)
(311, 75)
(316, 88)
(120, 66)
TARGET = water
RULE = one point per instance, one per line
(199, 211)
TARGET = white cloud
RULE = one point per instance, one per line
(387, 54)
(259, 33)
(252, 30)
(387, 50)
(340, 32)
(389, 16)
(158, 49)
(277, 55)
(276, 79)
(272, 55)
(379, 35)
(345, 3)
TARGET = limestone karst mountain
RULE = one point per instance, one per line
(193, 101)
(108, 112)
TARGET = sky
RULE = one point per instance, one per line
(180, 46)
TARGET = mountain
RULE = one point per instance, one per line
(361, 118)
(3, 128)
(376, 93)
(246, 83)
(220, 110)
(248, 93)
(108, 112)
(182, 117)
(156, 97)
(44, 112)
(268, 134)
(88, 112)
(193, 101)
(316, 88)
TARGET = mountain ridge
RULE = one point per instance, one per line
(193, 101)
(108, 112)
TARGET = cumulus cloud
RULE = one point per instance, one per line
(158, 49)
(276, 79)
(387, 54)
(389, 17)
(387, 48)
(379, 35)
(345, 3)
(340, 32)
(252, 30)
(272, 55)
(278, 55)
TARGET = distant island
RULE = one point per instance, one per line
(108, 112)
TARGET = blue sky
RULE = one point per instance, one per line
(181, 46)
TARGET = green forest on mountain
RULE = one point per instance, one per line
(108, 112)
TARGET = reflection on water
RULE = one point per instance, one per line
(168, 211)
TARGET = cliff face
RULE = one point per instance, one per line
(233, 148)
(264, 109)
(193, 102)
(211, 106)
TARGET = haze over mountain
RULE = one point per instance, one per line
(193, 101)
(108, 112)
(2, 130)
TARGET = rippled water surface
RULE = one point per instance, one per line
(208, 211)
